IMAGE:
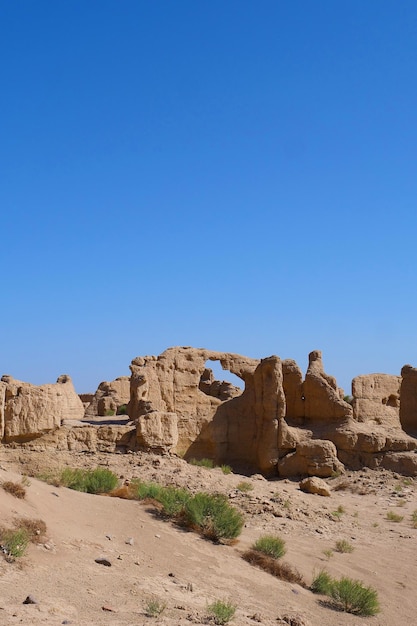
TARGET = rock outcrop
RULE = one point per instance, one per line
(408, 395)
(376, 397)
(242, 429)
(110, 398)
(28, 411)
(279, 423)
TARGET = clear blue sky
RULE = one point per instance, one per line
(230, 174)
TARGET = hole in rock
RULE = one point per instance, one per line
(220, 383)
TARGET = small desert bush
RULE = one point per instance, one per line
(339, 511)
(226, 469)
(173, 500)
(347, 594)
(321, 583)
(328, 553)
(34, 528)
(414, 519)
(394, 517)
(154, 607)
(49, 477)
(353, 597)
(13, 542)
(146, 491)
(244, 486)
(122, 409)
(213, 516)
(15, 489)
(110, 412)
(99, 480)
(270, 545)
(221, 612)
(343, 546)
(276, 567)
(208, 463)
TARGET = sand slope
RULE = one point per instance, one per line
(151, 558)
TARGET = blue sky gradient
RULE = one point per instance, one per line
(236, 175)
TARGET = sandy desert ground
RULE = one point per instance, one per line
(153, 559)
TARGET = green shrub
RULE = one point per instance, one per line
(173, 500)
(270, 545)
(213, 516)
(99, 480)
(110, 412)
(414, 519)
(226, 469)
(208, 463)
(394, 517)
(353, 597)
(14, 542)
(343, 546)
(321, 583)
(146, 491)
(221, 611)
(122, 410)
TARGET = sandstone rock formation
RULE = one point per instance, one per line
(109, 398)
(377, 397)
(28, 411)
(280, 423)
(408, 394)
(242, 429)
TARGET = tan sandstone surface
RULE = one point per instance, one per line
(151, 558)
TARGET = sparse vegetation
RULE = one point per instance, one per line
(35, 528)
(339, 511)
(343, 546)
(208, 463)
(273, 566)
(244, 486)
(122, 410)
(266, 553)
(99, 480)
(414, 519)
(347, 594)
(13, 543)
(209, 514)
(394, 517)
(154, 607)
(226, 469)
(15, 489)
(353, 597)
(212, 514)
(221, 611)
(110, 412)
(321, 583)
(270, 545)
(328, 553)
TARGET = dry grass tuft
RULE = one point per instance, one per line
(34, 528)
(276, 567)
(15, 489)
(125, 492)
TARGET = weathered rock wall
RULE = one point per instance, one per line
(408, 402)
(109, 397)
(30, 411)
(377, 397)
(280, 423)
